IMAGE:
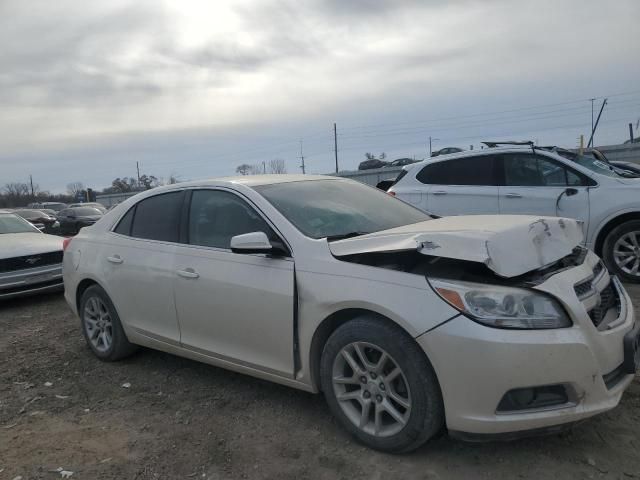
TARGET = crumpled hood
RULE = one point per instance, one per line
(22, 244)
(510, 245)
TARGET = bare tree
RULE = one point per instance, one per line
(244, 169)
(74, 188)
(16, 194)
(149, 181)
(277, 165)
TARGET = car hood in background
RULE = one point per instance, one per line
(23, 244)
(510, 245)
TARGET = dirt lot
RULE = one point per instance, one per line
(60, 407)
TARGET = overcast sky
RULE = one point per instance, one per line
(195, 88)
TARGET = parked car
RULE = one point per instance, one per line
(30, 261)
(96, 205)
(446, 151)
(401, 162)
(371, 164)
(42, 221)
(483, 325)
(56, 206)
(529, 180)
(73, 219)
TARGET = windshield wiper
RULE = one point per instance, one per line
(342, 236)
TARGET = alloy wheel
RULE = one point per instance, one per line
(98, 324)
(626, 253)
(371, 389)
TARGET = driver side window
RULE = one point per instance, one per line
(215, 216)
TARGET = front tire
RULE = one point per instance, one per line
(101, 326)
(621, 251)
(381, 386)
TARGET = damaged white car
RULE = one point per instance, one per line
(484, 325)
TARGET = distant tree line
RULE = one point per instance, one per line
(277, 165)
(20, 194)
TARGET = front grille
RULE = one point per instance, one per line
(608, 300)
(583, 288)
(30, 261)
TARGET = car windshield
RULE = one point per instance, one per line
(14, 224)
(592, 163)
(86, 211)
(29, 214)
(338, 209)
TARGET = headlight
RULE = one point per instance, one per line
(503, 307)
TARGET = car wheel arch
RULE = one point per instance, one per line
(609, 226)
(328, 326)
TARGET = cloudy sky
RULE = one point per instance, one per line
(197, 87)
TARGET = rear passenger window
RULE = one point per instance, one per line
(216, 216)
(462, 171)
(158, 218)
(124, 225)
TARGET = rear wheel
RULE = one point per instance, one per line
(101, 326)
(621, 251)
(381, 386)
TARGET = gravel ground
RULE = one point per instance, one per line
(159, 416)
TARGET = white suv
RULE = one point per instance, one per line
(531, 180)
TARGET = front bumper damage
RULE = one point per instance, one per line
(477, 365)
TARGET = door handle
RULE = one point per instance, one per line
(115, 259)
(440, 192)
(513, 195)
(188, 273)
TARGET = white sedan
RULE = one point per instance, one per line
(485, 325)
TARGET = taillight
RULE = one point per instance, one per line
(392, 193)
(65, 243)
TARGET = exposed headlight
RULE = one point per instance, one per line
(503, 307)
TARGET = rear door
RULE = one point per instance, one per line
(461, 186)
(137, 263)
(534, 184)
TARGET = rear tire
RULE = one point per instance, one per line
(101, 326)
(380, 385)
(621, 251)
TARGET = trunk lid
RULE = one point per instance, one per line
(509, 245)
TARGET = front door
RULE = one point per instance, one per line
(538, 185)
(232, 306)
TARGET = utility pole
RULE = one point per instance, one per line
(592, 100)
(429, 145)
(264, 167)
(593, 130)
(138, 170)
(302, 159)
(631, 132)
(31, 182)
(335, 144)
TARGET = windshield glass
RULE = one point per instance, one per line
(592, 163)
(14, 224)
(86, 211)
(335, 208)
(30, 214)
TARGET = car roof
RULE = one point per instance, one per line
(249, 181)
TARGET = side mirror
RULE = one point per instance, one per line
(254, 242)
(571, 192)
